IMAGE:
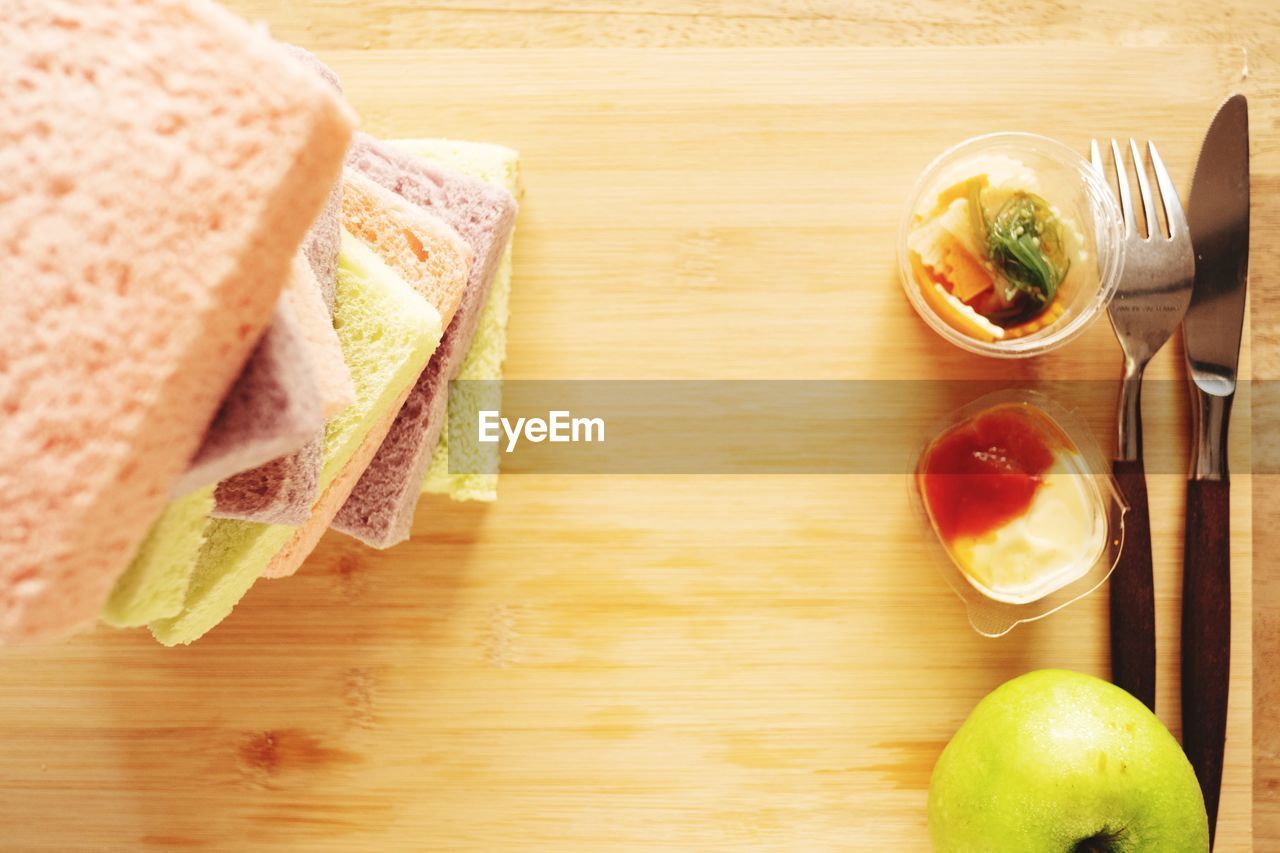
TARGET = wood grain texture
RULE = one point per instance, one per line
(711, 663)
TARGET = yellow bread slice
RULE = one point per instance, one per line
(155, 583)
(388, 334)
(499, 166)
(418, 246)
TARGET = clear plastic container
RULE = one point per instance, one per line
(1068, 182)
(1065, 542)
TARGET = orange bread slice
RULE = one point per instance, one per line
(421, 248)
(161, 163)
(290, 558)
(361, 262)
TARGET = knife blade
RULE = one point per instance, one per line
(1218, 218)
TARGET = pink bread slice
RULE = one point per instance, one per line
(321, 245)
(159, 165)
(380, 509)
(418, 245)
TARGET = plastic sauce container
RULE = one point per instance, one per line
(1025, 214)
(1020, 502)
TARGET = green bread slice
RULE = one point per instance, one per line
(155, 584)
(499, 166)
(388, 333)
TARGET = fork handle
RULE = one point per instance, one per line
(1133, 602)
(1206, 633)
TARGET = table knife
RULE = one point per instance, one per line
(1218, 218)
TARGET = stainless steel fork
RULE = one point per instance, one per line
(1154, 291)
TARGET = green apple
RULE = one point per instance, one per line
(1062, 762)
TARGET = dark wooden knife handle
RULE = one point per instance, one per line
(1206, 634)
(1133, 597)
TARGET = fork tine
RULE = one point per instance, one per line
(1173, 215)
(1144, 192)
(1122, 184)
(1095, 157)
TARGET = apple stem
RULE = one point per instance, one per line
(1101, 842)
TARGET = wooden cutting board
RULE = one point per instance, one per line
(658, 663)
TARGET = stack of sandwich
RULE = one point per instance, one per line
(229, 321)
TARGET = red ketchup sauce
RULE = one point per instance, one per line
(983, 472)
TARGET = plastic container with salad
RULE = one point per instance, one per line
(1011, 245)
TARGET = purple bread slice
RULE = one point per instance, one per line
(279, 492)
(379, 511)
(282, 490)
(273, 408)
